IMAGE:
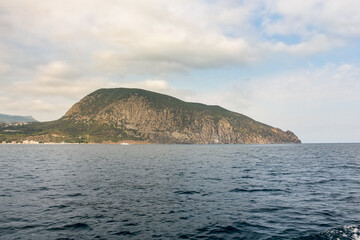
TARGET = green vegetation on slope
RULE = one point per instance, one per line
(99, 99)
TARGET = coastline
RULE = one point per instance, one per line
(129, 142)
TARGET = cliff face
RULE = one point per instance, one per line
(139, 114)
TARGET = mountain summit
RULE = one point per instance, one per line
(123, 113)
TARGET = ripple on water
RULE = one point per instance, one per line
(126, 233)
(238, 230)
(72, 227)
(187, 192)
(75, 195)
(350, 232)
(256, 190)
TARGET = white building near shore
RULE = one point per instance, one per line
(30, 142)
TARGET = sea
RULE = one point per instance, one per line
(271, 191)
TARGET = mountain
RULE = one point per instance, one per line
(14, 119)
(112, 115)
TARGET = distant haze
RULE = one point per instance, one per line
(15, 119)
(291, 64)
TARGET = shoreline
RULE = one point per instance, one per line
(129, 142)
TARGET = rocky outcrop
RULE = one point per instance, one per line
(140, 114)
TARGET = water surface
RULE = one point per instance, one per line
(300, 191)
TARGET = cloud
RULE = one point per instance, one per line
(320, 104)
(4, 68)
(159, 56)
(307, 18)
(317, 44)
(150, 84)
(24, 106)
(58, 79)
(126, 37)
(234, 98)
(330, 82)
(162, 37)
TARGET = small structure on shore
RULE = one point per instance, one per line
(30, 142)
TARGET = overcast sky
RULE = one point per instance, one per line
(290, 64)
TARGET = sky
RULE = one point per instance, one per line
(294, 64)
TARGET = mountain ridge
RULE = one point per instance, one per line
(118, 114)
(5, 118)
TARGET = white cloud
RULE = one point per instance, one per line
(317, 103)
(233, 98)
(3, 100)
(334, 82)
(59, 79)
(319, 43)
(118, 37)
(55, 69)
(312, 17)
(4, 68)
(125, 37)
(150, 84)
(158, 56)
(26, 106)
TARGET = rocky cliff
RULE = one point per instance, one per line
(116, 114)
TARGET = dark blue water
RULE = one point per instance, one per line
(304, 191)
